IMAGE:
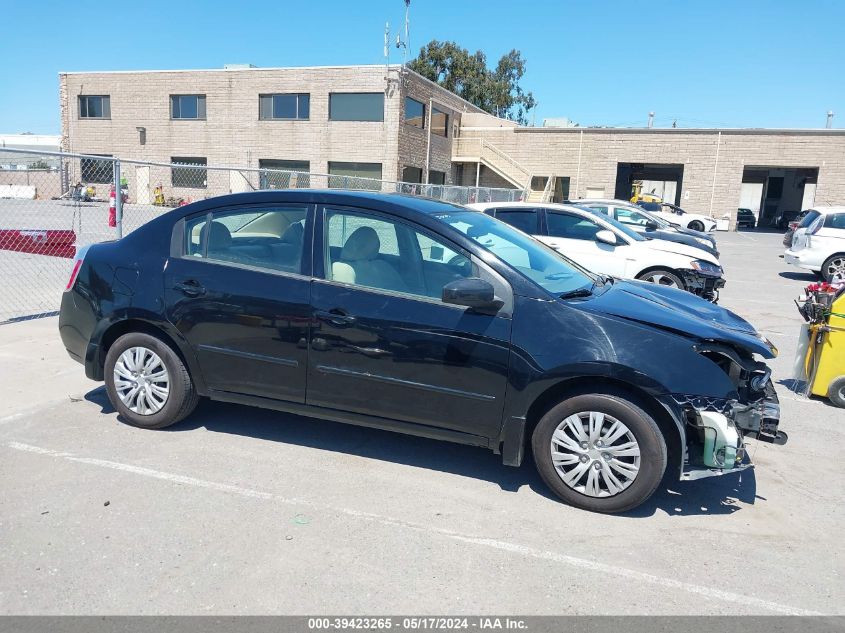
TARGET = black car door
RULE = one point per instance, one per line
(384, 344)
(238, 289)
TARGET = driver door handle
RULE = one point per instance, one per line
(336, 316)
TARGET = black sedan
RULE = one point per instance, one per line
(422, 317)
(745, 218)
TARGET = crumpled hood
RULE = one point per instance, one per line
(678, 311)
(692, 252)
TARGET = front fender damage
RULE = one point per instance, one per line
(717, 428)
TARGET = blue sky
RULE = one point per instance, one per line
(745, 63)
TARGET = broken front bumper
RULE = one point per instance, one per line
(705, 286)
(717, 429)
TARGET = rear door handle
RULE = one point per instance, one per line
(336, 316)
(190, 288)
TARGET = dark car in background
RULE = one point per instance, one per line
(798, 222)
(785, 218)
(418, 316)
(745, 218)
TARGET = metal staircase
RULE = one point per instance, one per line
(479, 150)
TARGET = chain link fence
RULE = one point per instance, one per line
(54, 203)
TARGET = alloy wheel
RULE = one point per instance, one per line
(836, 268)
(595, 454)
(141, 381)
(661, 279)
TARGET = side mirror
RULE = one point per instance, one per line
(474, 293)
(651, 225)
(606, 237)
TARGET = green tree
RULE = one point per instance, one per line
(497, 91)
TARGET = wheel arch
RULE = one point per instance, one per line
(669, 269)
(827, 259)
(670, 425)
(135, 324)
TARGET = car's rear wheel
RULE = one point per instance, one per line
(147, 382)
(697, 225)
(600, 452)
(834, 267)
(663, 278)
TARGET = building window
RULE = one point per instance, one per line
(439, 122)
(94, 170)
(356, 106)
(94, 107)
(412, 174)
(284, 106)
(279, 176)
(355, 176)
(414, 113)
(187, 106)
(190, 174)
(436, 177)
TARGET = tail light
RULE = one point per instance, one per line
(77, 264)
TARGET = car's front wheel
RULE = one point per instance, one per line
(696, 225)
(147, 382)
(600, 452)
(663, 278)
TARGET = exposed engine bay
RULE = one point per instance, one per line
(716, 428)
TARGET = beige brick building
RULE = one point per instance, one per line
(348, 120)
(710, 171)
(383, 122)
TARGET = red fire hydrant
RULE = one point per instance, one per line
(112, 209)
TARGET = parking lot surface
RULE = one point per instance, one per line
(243, 511)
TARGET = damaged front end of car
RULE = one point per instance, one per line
(716, 428)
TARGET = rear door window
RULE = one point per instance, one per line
(570, 226)
(271, 238)
(526, 220)
(835, 221)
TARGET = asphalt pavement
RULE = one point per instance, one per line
(243, 511)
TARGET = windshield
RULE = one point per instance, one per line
(542, 265)
(636, 237)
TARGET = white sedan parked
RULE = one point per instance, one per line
(820, 247)
(603, 245)
(677, 216)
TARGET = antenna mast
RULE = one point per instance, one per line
(407, 42)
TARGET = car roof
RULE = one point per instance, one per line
(614, 201)
(827, 210)
(483, 206)
(389, 202)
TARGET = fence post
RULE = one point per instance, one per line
(118, 200)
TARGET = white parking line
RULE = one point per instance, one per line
(513, 548)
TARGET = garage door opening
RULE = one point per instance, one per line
(661, 180)
(776, 195)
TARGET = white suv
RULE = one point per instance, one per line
(603, 245)
(820, 247)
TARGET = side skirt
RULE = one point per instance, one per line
(347, 417)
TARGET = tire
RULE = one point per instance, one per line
(836, 391)
(161, 369)
(831, 265)
(662, 277)
(696, 225)
(561, 423)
